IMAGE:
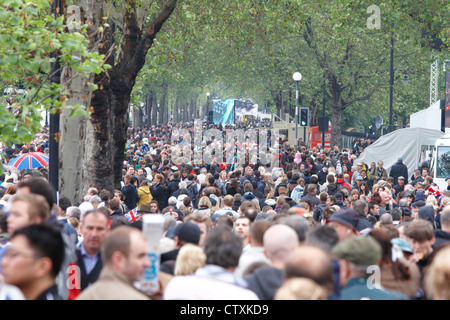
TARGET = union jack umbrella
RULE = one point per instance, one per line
(132, 215)
(30, 160)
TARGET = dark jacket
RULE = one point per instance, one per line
(261, 186)
(236, 205)
(131, 196)
(85, 278)
(265, 282)
(168, 259)
(172, 186)
(311, 197)
(322, 175)
(281, 184)
(441, 237)
(364, 223)
(397, 170)
(159, 194)
(116, 213)
(232, 191)
(251, 179)
(318, 211)
(427, 213)
(332, 188)
(50, 294)
(248, 196)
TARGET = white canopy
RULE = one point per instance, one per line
(406, 143)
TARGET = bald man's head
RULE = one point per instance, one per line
(279, 242)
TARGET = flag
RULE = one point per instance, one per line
(132, 215)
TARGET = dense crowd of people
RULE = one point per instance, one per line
(246, 216)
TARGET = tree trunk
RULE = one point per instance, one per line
(162, 103)
(81, 154)
(277, 98)
(154, 108)
(72, 143)
(147, 109)
(285, 104)
(336, 119)
(176, 108)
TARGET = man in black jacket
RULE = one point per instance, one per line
(173, 185)
(399, 170)
(360, 207)
(129, 191)
(311, 195)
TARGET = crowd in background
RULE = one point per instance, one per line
(290, 222)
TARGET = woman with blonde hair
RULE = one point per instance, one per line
(300, 289)
(204, 206)
(190, 258)
(431, 201)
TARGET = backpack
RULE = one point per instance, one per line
(191, 192)
(297, 193)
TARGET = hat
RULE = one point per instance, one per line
(407, 194)
(403, 244)
(346, 216)
(401, 178)
(144, 208)
(174, 168)
(400, 159)
(434, 191)
(339, 196)
(188, 232)
(359, 250)
(359, 178)
(172, 214)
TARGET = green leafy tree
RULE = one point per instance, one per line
(32, 39)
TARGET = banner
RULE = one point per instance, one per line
(245, 107)
(223, 111)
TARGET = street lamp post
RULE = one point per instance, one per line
(297, 77)
(405, 81)
(54, 130)
(391, 83)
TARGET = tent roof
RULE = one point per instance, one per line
(406, 143)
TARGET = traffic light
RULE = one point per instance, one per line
(304, 117)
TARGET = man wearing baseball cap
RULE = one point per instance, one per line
(345, 222)
(186, 232)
